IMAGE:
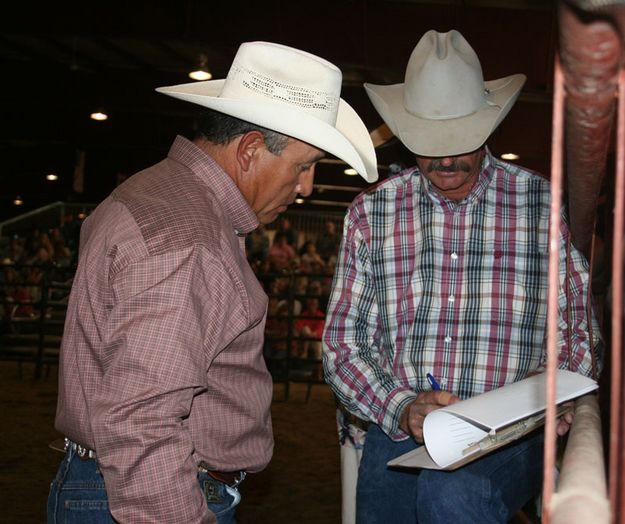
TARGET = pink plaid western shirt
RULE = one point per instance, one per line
(161, 363)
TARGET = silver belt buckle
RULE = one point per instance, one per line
(81, 451)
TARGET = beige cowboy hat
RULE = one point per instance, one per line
(291, 92)
(444, 107)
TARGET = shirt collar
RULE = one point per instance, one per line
(243, 218)
(477, 191)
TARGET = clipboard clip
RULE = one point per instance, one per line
(495, 439)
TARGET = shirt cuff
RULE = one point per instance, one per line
(397, 402)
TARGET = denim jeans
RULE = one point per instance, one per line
(489, 490)
(77, 494)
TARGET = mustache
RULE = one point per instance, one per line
(455, 166)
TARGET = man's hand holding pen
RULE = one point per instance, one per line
(427, 401)
(413, 416)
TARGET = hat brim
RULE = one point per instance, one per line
(450, 137)
(348, 140)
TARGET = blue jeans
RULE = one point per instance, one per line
(77, 494)
(489, 490)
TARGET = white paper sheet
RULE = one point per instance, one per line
(451, 433)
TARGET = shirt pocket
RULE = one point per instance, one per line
(514, 290)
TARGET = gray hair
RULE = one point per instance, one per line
(220, 128)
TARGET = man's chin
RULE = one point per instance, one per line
(449, 175)
(447, 185)
(270, 216)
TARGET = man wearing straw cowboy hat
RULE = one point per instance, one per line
(164, 395)
(440, 292)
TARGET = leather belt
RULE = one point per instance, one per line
(230, 478)
(64, 445)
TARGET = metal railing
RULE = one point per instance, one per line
(33, 316)
(282, 345)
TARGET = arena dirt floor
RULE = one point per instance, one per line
(302, 483)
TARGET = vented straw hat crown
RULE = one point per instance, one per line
(291, 92)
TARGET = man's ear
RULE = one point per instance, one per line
(249, 147)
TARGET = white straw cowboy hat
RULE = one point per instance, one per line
(291, 92)
(444, 108)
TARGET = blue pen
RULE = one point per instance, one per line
(435, 385)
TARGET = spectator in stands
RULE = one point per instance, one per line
(281, 288)
(55, 235)
(300, 292)
(310, 325)
(46, 243)
(14, 251)
(281, 253)
(328, 242)
(301, 285)
(17, 300)
(311, 261)
(292, 236)
(315, 288)
(33, 239)
(62, 255)
(161, 371)
(70, 229)
(34, 270)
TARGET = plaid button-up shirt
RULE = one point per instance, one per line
(456, 289)
(161, 362)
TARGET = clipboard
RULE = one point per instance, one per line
(460, 433)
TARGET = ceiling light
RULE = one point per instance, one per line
(18, 201)
(202, 72)
(510, 156)
(99, 115)
(350, 171)
(52, 177)
(299, 200)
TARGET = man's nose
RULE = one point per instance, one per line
(306, 180)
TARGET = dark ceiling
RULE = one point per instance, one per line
(62, 62)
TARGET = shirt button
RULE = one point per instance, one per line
(451, 298)
(454, 256)
(447, 339)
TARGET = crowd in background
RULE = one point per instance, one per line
(29, 257)
(295, 269)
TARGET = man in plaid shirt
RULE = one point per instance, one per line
(443, 270)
